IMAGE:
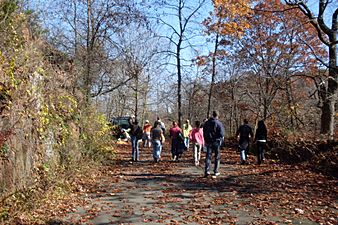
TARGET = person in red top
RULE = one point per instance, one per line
(146, 134)
(196, 137)
(174, 134)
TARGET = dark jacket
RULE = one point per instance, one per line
(261, 134)
(213, 130)
(136, 130)
(244, 132)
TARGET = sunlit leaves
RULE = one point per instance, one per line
(229, 17)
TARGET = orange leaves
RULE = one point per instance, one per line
(230, 17)
(202, 60)
(232, 8)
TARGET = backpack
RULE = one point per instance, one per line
(139, 133)
(180, 137)
(210, 131)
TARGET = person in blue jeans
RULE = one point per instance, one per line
(244, 133)
(213, 133)
(135, 135)
(157, 138)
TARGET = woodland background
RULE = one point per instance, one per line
(68, 67)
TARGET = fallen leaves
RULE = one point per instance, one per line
(172, 193)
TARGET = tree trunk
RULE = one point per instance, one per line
(87, 79)
(145, 101)
(179, 85)
(328, 109)
(136, 93)
(290, 103)
(213, 74)
(179, 75)
(329, 94)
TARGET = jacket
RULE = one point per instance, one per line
(196, 136)
(213, 131)
(244, 132)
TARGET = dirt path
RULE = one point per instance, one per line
(176, 193)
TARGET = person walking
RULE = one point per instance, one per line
(176, 149)
(146, 134)
(244, 133)
(213, 133)
(157, 138)
(135, 136)
(196, 137)
(260, 139)
(161, 123)
(186, 132)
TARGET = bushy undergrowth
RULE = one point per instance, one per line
(48, 133)
(96, 136)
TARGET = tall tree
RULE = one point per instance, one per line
(328, 36)
(227, 19)
(87, 30)
(274, 49)
(181, 15)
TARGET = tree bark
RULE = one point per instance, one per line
(87, 80)
(328, 36)
(213, 75)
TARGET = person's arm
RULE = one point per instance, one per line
(222, 130)
(255, 137)
(162, 137)
(251, 134)
(238, 131)
(190, 136)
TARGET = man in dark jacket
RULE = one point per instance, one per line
(244, 133)
(213, 133)
(135, 136)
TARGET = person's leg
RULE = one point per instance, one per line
(133, 147)
(258, 154)
(199, 152)
(137, 149)
(263, 151)
(173, 149)
(208, 161)
(186, 142)
(217, 151)
(144, 140)
(159, 150)
(195, 148)
(243, 156)
(177, 149)
(156, 150)
(147, 142)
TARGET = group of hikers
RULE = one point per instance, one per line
(207, 136)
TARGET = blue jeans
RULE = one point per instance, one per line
(157, 148)
(243, 148)
(213, 148)
(186, 142)
(135, 153)
(243, 155)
